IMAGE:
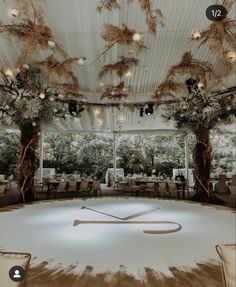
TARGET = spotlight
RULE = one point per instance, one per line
(191, 84)
(72, 107)
(141, 112)
(81, 108)
(149, 110)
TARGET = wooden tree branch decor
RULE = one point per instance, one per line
(200, 112)
(108, 5)
(121, 67)
(117, 92)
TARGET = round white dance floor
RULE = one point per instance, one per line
(46, 231)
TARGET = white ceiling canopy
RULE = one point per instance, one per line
(77, 26)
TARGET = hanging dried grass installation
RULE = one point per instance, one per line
(221, 36)
(31, 32)
(168, 86)
(188, 65)
(154, 17)
(108, 5)
(122, 36)
(117, 92)
(52, 65)
(121, 67)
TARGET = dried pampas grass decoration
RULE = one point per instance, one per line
(122, 36)
(121, 67)
(116, 92)
(196, 68)
(31, 9)
(108, 5)
(168, 86)
(154, 17)
(69, 88)
(34, 37)
(220, 36)
(52, 65)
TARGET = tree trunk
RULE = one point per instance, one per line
(29, 161)
(202, 160)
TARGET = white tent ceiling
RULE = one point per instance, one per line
(77, 27)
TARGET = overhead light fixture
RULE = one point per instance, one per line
(51, 44)
(231, 56)
(137, 37)
(81, 61)
(129, 74)
(14, 13)
(9, 73)
(196, 34)
(141, 112)
(72, 107)
(191, 84)
(200, 85)
(149, 110)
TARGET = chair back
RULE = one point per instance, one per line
(96, 185)
(72, 185)
(232, 189)
(83, 186)
(7, 261)
(162, 186)
(233, 181)
(61, 186)
(222, 183)
(227, 254)
(172, 186)
(150, 186)
(2, 188)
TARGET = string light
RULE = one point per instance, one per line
(137, 37)
(51, 44)
(129, 74)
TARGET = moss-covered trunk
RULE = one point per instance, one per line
(202, 160)
(28, 161)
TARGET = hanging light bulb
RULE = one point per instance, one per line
(26, 66)
(231, 55)
(101, 84)
(196, 34)
(14, 13)
(129, 74)
(51, 44)
(81, 61)
(9, 73)
(99, 122)
(200, 85)
(137, 37)
(60, 96)
(42, 96)
(34, 124)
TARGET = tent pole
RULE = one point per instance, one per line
(41, 158)
(114, 156)
(186, 157)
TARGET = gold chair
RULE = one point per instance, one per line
(163, 189)
(2, 189)
(7, 261)
(61, 188)
(72, 187)
(227, 255)
(84, 187)
(96, 187)
(173, 189)
(150, 188)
